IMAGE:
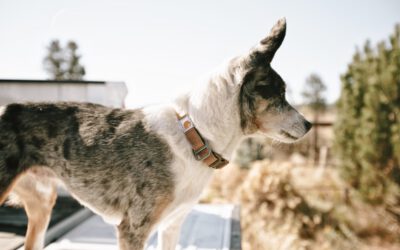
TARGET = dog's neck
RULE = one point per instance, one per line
(214, 110)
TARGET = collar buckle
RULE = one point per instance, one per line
(200, 148)
(200, 155)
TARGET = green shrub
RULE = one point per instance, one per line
(368, 125)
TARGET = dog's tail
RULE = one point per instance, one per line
(9, 169)
(10, 156)
(7, 182)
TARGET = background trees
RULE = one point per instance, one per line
(368, 123)
(314, 98)
(313, 93)
(63, 63)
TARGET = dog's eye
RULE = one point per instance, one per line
(264, 91)
(274, 104)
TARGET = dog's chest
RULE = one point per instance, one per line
(191, 182)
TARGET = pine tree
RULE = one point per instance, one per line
(54, 61)
(392, 95)
(314, 98)
(75, 71)
(367, 129)
(313, 93)
(63, 63)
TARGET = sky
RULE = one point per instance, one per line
(161, 48)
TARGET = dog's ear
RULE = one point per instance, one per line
(267, 47)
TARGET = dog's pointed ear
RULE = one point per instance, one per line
(269, 45)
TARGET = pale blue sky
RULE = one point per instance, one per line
(160, 48)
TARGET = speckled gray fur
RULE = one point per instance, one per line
(105, 156)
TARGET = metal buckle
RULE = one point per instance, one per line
(219, 160)
(197, 152)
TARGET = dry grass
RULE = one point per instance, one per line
(292, 206)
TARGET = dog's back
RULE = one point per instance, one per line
(32, 135)
(107, 158)
(75, 140)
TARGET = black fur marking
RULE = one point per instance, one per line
(67, 149)
(12, 163)
(11, 116)
(51, 130)
(21, 144)
(140, 188)
(105, 183)
(67, 171)
(145, 220)
(86, 182)
(115, 202)
(272, 87)
(37, 142)
(112, 130)
(114, 118)
(260, 82)
(36, 159)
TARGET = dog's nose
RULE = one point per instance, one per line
(307, 125)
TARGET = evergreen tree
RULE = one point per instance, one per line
(314, 98)
(63, 63)
(75, 71)
(368, 125)
(54, 61)
(313, 93)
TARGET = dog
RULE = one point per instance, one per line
(144, 168)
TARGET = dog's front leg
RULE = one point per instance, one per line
(131, 236)
(169, 231)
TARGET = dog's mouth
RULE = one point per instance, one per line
(288, 135)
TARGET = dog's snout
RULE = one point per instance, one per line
(307, 125)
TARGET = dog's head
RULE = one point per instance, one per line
(262, 102)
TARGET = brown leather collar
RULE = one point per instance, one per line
(201, 150)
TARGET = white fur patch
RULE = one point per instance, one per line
(2, 109)
(110, 218)
(44, 188)
(113, 220)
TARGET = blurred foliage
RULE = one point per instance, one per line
(287, 206)
(313, 93)
(368, 123)
(250, 150)
(63, 63)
